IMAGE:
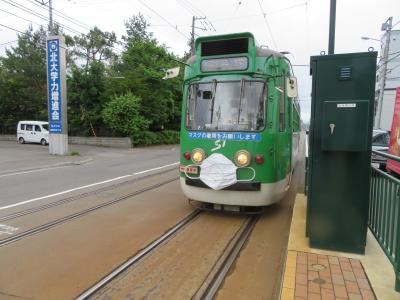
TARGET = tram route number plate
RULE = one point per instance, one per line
(189, 169)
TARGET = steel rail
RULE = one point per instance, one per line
(76, 215)
(233, 252)
(77, 197)
(138, 257)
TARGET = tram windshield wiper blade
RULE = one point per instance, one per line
(242, 83)
(214, 90)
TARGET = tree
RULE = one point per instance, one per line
(96, 46)
(123, 114)
(136, 29)
(86, 99)
(142, 66)
(23, 80)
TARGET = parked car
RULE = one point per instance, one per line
(33, 132)
(380, 142)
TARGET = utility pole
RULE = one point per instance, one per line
(51, 28)
(50, 3)
(332, 21)
(194, 19)
(387, 26)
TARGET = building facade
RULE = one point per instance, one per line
(392, 80)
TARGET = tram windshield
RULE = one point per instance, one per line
(226, 106)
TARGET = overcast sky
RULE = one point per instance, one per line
(297, 26)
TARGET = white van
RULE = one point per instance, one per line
(33, 132)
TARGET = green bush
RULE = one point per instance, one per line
(147, 138)
(123, 114)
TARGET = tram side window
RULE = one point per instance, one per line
(282, 105)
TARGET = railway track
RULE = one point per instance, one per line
(78, 197)
(79, 214)
(138, 257)
(215, 277)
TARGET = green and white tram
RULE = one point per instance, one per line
(240, 126)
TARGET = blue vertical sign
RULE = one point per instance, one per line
(54, 86)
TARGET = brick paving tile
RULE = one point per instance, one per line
(327, 279)
(346, 266)
(312, 275)
(325, 273)
(367, 294)
(337, 279)
(327, 294)
(312, 296)
(333, 260)
(363, 284)
(300, 291)
(342, 278)
(340, 291)
(314, 287)
(359, 273)
(301, 269)
(355, 263)
(349, 275)
(323, 261)
(355, 296)
(352, 287)
(302, 260)
(327, 286)
(301, 279)
(335, 269)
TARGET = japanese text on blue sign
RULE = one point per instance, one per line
(229, 136)
(54, 88)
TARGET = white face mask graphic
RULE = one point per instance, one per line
(218, 172)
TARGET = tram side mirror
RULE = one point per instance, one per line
(291, 87)
(171, 73)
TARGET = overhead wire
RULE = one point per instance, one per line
(36, 14)
(267, 24)
(22, 18)
(26, 9)
(163, 18)
(61, 14)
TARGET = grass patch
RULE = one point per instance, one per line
(74, 153)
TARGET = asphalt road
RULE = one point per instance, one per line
(28, 172)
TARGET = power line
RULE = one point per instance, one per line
(7, 43)
(36, 14)
(26, 9)
(169, 23)
(267, 24)
(12, 28)
(10, 13)
(62, 15)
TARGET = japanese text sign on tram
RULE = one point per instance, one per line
(54, 85)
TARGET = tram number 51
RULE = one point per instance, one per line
(218, 145)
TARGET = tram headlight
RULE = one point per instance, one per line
(242, 158)
(198, 155)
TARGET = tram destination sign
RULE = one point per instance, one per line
(229, 136)
(225, 64)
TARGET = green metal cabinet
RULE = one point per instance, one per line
(340, 150)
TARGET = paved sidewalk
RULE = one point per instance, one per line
(318, 274)
(15, 157)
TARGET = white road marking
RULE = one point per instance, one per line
(86, 186)
(7, 229)
(32, 171)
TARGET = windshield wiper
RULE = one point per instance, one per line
(240, 99)
(214, 89)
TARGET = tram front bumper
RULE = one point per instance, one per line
(238, 186)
